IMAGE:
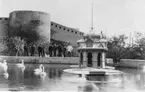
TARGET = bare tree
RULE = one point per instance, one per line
(19, 44)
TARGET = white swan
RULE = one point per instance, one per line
(38, 71)
(6, 75)
(21, 65)
(4, 65)
(43, 73)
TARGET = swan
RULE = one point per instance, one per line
(43, 73)
(21, 65)
(37, 71)
(4, 65)
(6, 75)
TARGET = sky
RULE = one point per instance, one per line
(113, 17)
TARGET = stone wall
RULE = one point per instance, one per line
(134, 63)
(3, 27)
(65, 34)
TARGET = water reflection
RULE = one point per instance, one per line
(57, 80)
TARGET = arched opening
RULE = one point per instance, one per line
(81, 59)
(99, 59)
(89, 59)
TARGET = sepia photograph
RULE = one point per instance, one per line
(72, 45)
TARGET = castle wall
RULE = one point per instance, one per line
(3, 27)
(66, 34)
(33, 25)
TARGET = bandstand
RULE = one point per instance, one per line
(92, 51)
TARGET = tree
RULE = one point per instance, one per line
(30, 32)
(140, 45)
(116, 47)
(3, 46)
(19, 44)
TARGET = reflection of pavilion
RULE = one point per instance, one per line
(92, 51)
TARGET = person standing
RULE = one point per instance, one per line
(69, 49)
(25, 50)
(32, 50)
(43, 52)
(64, 51)
(54, 50)
(40, 50)
(59, 50)
(50, 50)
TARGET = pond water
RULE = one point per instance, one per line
(132, 80)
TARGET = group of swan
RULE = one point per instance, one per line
(4, 68)
(40, 71)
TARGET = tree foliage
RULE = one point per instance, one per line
(116, 47)
(19, 44)
(3, 46)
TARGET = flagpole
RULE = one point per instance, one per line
(92, 19)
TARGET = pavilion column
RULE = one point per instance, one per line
(93, 55)
(84, 59)
(79, 59)
(103, 59)
(95, 60)
(84, 56)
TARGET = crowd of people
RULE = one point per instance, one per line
(53, 50)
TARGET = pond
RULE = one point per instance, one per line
(56, 80)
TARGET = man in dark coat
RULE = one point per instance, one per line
(64, 50)
(43, 52)
(40, 50)
(54, 50)
(50, 50)
(59, 50)
(32, 49)
(25, 50)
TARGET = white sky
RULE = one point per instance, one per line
(115, 16)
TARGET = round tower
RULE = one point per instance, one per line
(30, 25)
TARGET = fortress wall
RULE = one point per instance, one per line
(66, 34)
(3, 27)
(36, 26)
(33, 25)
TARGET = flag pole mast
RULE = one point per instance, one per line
(92, 28)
